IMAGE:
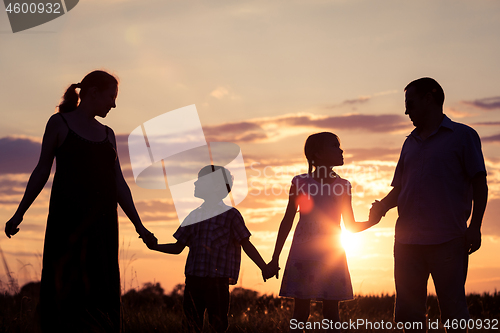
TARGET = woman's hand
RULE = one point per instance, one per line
(11, 227)
(151, 241)
(147, 237)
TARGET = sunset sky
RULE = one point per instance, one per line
(263, 75)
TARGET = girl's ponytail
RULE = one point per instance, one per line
(70, 99)
(314, 144)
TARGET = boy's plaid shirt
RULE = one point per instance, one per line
(214, 243)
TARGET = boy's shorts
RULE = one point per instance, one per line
(207, 293)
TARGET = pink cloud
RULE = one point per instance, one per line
(488, 123)
(19, 154)
(490, 220)
(491, 139)
(262, 129)
(351, 102)
(487, 104)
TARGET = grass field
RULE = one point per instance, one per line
(150, 309)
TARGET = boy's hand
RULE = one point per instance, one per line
(271, 269)
(150, 240)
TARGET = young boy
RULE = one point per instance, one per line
(215, 234)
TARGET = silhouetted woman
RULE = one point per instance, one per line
(80, 288)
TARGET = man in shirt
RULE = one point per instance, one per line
(440, 173)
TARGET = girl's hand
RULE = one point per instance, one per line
(376, 212)
(378, 208)
(272, 269)
(11, 227)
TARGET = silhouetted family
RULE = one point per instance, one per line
(440, 179)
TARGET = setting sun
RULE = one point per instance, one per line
(350, 241)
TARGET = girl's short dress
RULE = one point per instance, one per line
(317, 266)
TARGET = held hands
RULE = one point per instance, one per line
(11, 227)
(271, 269)
(148, 238)
(376, 212)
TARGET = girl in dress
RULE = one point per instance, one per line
(317, 266)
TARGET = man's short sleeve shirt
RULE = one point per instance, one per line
(435, 176)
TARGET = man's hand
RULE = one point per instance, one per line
(473, 239)
(377, 210)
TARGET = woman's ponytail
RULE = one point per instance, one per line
(98, 79)
(70, 99)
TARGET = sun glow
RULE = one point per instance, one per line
(350, 241)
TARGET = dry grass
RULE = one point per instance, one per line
(149, 309)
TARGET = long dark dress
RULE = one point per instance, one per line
(80, 287)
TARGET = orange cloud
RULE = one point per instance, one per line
(154, 210)
(219, 93)
(457, 113)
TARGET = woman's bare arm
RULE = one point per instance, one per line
(40, 175)
(126, 201)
